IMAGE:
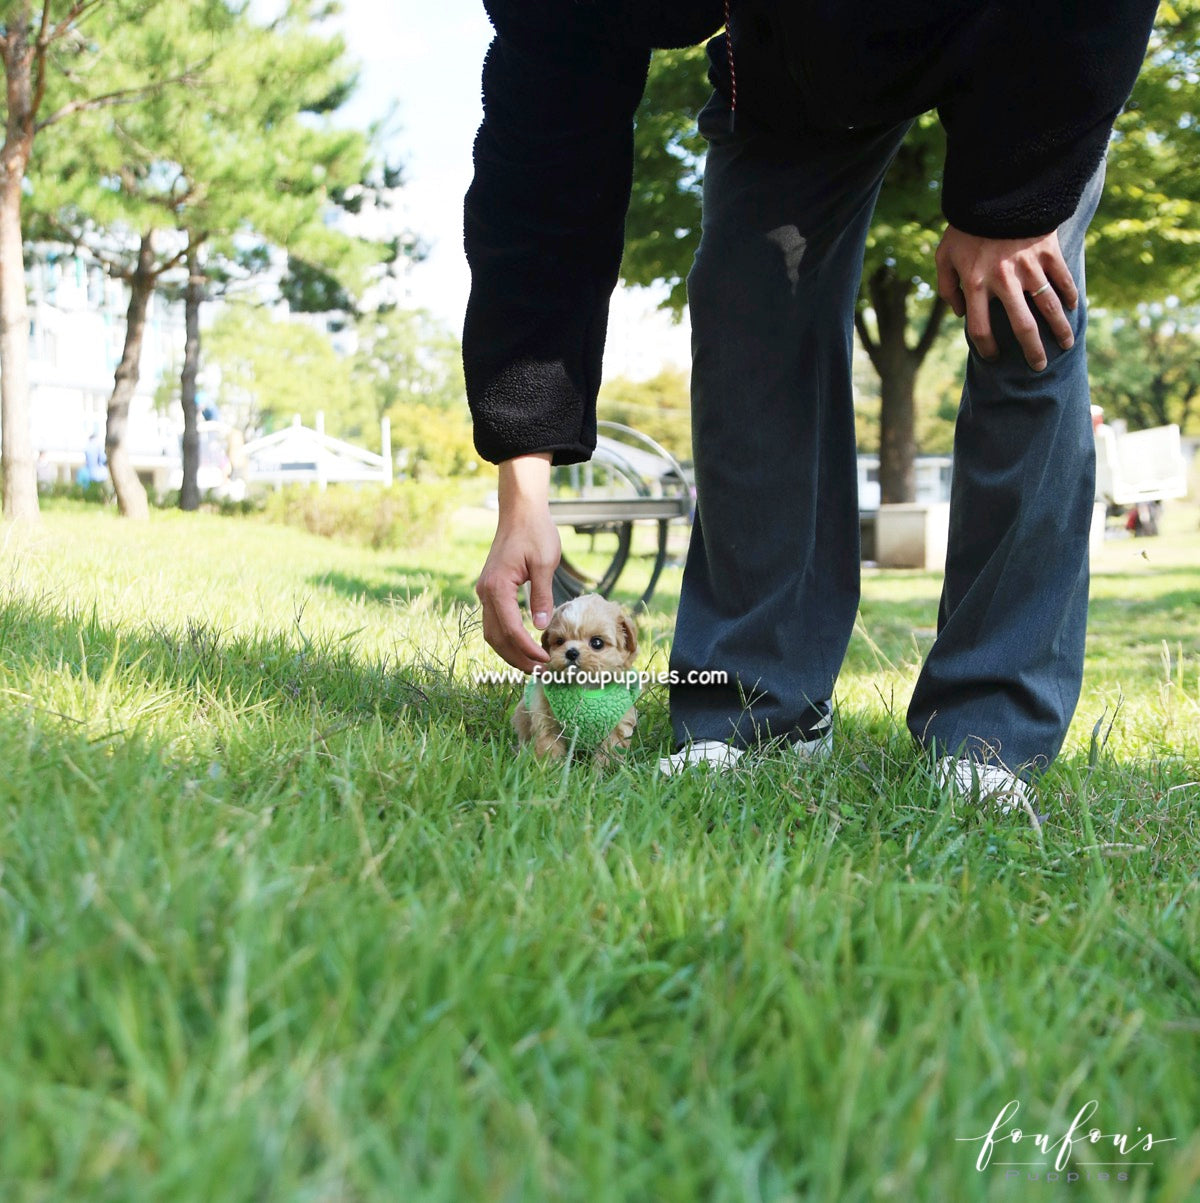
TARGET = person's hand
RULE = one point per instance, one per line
(1016, 271)
(526, 548)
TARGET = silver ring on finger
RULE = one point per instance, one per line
(1038, 291)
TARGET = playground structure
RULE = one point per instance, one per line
(300, 455)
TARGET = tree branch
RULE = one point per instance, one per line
(933, 326)
(174, 261)
(170, 200)
(117, 267)
(122, 96)
(160, 269)
(41, 38)
(860, 324)
(869, 344)
(79, 10)
(78, 241)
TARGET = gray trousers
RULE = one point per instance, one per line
(771, 584)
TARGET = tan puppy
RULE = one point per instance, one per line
(574, 698)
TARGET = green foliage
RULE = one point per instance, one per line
(409, 366)
(271, 369)
(908, 219)
(1145, 366)
(1146, 235)
(659, 407)
(308, 288)
(406, 357)
(939, 390)
(231, 153)
(434, 441)
(405, 514)
(662, 229)
(95, 493)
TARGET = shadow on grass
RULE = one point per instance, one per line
(447, 589)
(1139, 608)
(285, 673)
(276, 675)
(1148, 622)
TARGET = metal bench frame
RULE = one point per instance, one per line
(662, 499)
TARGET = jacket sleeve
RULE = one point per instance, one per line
(544, 223)
(1030, 116)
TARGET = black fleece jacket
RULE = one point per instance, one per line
(1027, 90)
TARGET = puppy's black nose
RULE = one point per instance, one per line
(572, 654)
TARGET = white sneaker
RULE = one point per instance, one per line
(715, 753)
(979, 782)
(820, 744)
(720, 756)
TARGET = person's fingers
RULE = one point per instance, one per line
(1027, 276)
(1055, 292)
(1061, 280)
(503, 629)
(541, 594)
(947, 283)
(1051, 309)
(979, 321)
(516, 645)
(1020, 318)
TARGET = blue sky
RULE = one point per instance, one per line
(423, 60)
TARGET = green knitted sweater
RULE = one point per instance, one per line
(586, 716)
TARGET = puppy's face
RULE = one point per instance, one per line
(589, 635)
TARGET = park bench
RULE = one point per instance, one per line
(630, 479)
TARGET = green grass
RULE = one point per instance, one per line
(285, 916)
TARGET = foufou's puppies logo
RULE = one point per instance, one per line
(1103, 1153)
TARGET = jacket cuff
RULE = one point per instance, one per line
(530, 405)
(1023, 195)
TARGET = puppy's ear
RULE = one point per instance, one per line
(546, 639)
(628, 634)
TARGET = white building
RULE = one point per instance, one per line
(77, 319)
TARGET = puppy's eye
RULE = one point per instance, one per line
(596, 642)
(559, 641)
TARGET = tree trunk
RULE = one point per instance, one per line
(189, 494)
(897, 364)
(897, 377)
(897, 429)
(20, 476)
(1185, 410)
(131, 497)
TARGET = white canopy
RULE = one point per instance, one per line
(298, 454)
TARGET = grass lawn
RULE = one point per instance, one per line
(284, 916)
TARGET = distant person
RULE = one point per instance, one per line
(209, 410)
(95, 463)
